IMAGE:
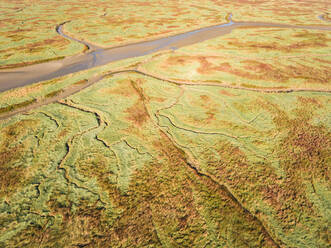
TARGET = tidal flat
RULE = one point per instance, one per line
(215, 141)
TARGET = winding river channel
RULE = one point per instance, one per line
(96, 56)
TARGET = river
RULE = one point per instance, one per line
(96, 56)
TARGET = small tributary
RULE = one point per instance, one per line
(96, 56)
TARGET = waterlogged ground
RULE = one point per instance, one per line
(225, 143)
(28, 29)
(134, 161)
(257, 58)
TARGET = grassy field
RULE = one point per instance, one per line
(28, 32)
(135, 161)
(257, 58)
(225, 143)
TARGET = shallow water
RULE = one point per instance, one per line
(97, 56)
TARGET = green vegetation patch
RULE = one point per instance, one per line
(136, 161)
(28, 32)
(257, 58)
(214, 155)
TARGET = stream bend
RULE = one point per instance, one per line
(96, 56)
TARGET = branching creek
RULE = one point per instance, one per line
(96, 56)
(187, 161)
(76, 88)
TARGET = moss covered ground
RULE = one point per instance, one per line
(225, 143)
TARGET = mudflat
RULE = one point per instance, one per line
(96, 56)
(165, 123)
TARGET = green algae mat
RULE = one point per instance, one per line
(225, 143)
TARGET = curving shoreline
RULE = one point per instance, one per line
(18, 77)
